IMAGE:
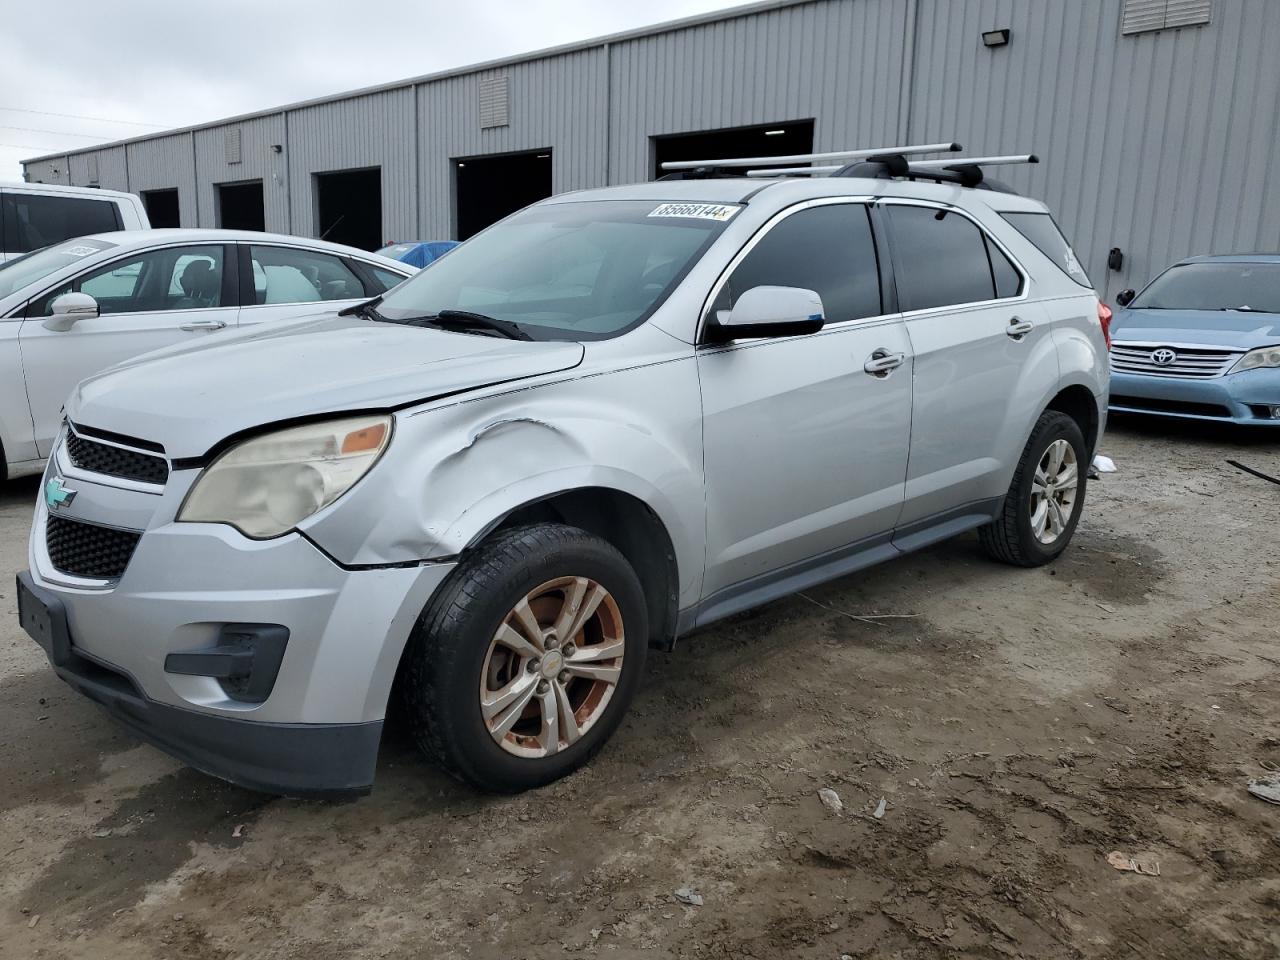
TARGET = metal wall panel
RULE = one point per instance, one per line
(165, 163)
(558, 103)
(102, 168)
(839, 63)
(53, 170)
(370, 131)
(257, 162)
(1161, 143)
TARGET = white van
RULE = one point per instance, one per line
(35, 215)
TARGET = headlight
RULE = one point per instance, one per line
(1263, 357)
(266, 485)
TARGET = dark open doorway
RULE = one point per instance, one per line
(349, 208)
(489, 188)
(240, 206)
(162, 207)
(767, 140)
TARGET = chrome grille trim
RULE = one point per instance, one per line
(1192, 361)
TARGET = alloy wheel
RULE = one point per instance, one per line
(1053, 491)
(552, 667)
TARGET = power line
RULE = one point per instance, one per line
(78, 116)
(31, 146)
(58, 133)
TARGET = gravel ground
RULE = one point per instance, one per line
(1019, 725)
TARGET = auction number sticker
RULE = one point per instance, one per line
(698, 211)
(79, 251)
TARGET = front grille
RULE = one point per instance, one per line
(88, 550)
(1170, 406)
(116, 461)
(1198, 363)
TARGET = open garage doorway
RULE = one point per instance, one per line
(489, 188)
(240, 206)
(162, 208)
(349, 208)
(766, 140)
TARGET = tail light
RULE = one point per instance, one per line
(1104, 321)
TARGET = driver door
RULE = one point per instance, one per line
(145, 301)
(806, 437)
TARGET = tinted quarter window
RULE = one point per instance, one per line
(1008, 280)
(32, 221)
(1041, 230)
(828, 249)
(941, 258)
(383, 280)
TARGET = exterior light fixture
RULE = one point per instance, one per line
(774, 133)
(995, 38)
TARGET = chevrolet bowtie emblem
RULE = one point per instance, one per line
(56, 494)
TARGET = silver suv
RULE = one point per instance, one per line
(613, 418)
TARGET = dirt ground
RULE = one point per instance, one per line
(1020, 725)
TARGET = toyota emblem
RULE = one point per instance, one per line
(1163, 357)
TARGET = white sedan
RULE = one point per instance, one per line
(77, 307)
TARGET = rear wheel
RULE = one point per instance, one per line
(1045, 498)
(526, 659)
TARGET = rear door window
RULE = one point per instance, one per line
(1042, 231)
(290, 275)
(828, 249)
(35, 220)
(941, 258)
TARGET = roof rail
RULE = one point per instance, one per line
(965, 171)
(796, 171)
(795, 158)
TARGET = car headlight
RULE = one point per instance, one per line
(268, 484)
(1262, 357)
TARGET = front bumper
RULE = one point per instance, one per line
(1243, 398)
(317, 730)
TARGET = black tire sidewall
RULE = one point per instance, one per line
(1050, 429)
(460, 653)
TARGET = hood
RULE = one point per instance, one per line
(190, 397)
(1210, 328)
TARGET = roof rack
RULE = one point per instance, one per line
(847, 156)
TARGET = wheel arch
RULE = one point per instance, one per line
(627, 523)
(1078, 402)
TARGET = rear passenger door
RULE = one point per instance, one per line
(805, 448)
(981, 347)
(279, 282)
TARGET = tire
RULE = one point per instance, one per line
(1012, 537)
(455, 658)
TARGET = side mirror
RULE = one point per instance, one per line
(1125, 297)
(69, 309)
(768, 312)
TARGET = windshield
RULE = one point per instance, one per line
(1213, 286)
(35, 266)
(567, 271)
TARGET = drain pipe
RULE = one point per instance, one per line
(906, 87)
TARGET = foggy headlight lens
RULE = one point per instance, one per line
(267, 485)
(1264, 357)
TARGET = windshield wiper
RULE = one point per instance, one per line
(368, 310)
(466, 320)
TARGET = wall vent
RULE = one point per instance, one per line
(493, 103)
(1141, 16)
(91, 169)
(231, 144)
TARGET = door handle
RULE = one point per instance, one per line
(882, 362)
(202, 325)
(1018, 329)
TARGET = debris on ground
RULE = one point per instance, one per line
(238, 832)
(1257, 473)
(1147, 866)
(1103, 464)
(1266, 788)
(880, 808)
(688, 897)
(831, 800)
(33, 921)
(103, 833)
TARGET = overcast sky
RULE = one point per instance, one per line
(74, 72)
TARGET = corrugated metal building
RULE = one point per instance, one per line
(1157, 121)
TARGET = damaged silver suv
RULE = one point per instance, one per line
(613, 418)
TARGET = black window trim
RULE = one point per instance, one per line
(1024, 286)
(229, 273)
(887, 296)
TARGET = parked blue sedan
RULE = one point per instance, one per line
(1201, 342)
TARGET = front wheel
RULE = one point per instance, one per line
(526, 659)
(1045, 498)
